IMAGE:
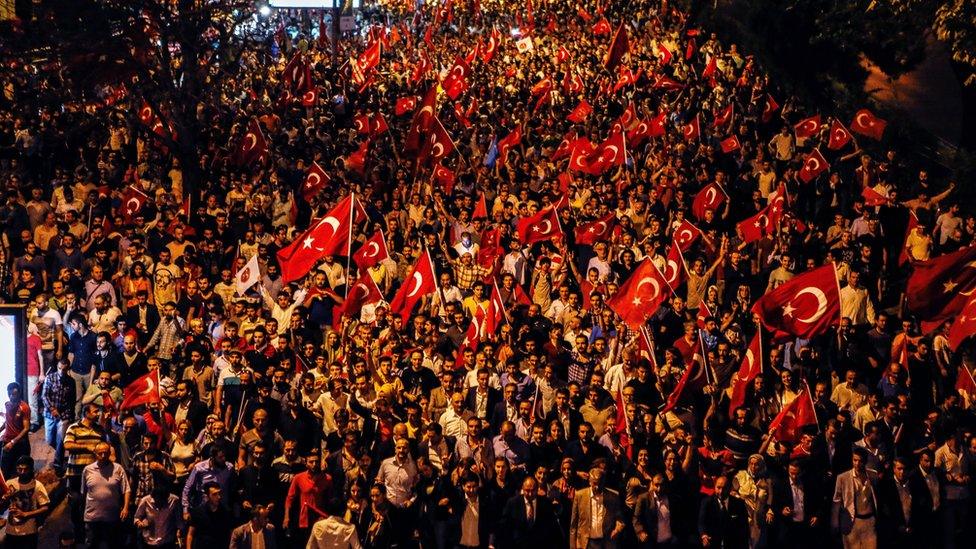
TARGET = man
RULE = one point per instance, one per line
(399, 475)
(82, 346)
(14, 440)
(475, 520)
(257, 532)
(168, 337)
(310, 491)
(652, 516)
(103, 393)
(159, 518)
(211, 521)
(103, 314)
(855, 504)
(144, 316)
(107, 357)
(333, 532)
(215, 470)
(481, 400)
(723, 519)
(793, 507)
(28, 503)
(58, 398)
(899, 500)
(597, 519)
(105, 487)
(528, 520)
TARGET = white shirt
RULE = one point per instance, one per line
(333, 533)
(663, 520)
(598, 513)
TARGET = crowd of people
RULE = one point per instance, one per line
(287, 417)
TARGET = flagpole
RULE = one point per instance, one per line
(352, 215)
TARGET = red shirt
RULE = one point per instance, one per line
(14, 421)
(313, 493)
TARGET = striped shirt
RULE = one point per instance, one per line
(87, 436)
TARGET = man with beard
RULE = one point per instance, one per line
(28, 502)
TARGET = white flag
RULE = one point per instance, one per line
(524, 45)
(249, 275)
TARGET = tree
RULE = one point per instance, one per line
(954, 25)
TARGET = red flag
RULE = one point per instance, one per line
(640, 295)
(580, 112)
(144, 390)
(724, 117)
(584, 15)
(813, 165)
(612, 152)
(692, 130)
(807, 127)
(356, 161)
(675, 272)
(472, 336)
(419, 283)
(626, 77)
(541, 226)
(405, 105)
(372, 251)
(580, 151)
(805, 306)
(456, 81)
(686, 234)
(642, 130)
(873, 197)
(315, 181)
(964, 325)
(480, 209)
(663, 55)
(562, 54)
(445, 177)
(912, 223)
(488, 52)
(750, 368)
(711, 197)
(940, 287)
(769, 109)
(146, 115)
(704, 313)
(602, 27)
(564, 148)
(328, 236)
(730, 144)
(966, 386)
(866, 123)
(572, 83)
(437, 146)
(252, 147)
(361, 123)
(839, 136)
(692, 376)
(756, 227)
(629, 116)
(496, 314)
(421, 120)
(132, 202)
(793, 417)
(619, 47)
(711, 67)
(506, 143)
(310, 98)
(378, 125)
(363, 292)
(595, 231)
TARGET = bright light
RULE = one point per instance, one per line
(264, 10)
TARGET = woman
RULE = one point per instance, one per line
(379, 531)
(183, 452)
(357, 507)
(752, 486)
(563, 492)
(679, 490)
(136, 280)
(641, 469)
(556, 437)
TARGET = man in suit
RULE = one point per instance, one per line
(528, 520)
(481, 399)
(475, 515)
(144, 316)
(596, 520)
(506, 410)
(561, 411)
(900, 502)
(794, 508)
(652, 517)
(855, 504)
(723, 520)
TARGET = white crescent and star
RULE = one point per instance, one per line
(821, 305)
(150, 386)
(372, 246)
(683, 238)
(860, 120)
(710, 195)
(250, 141)
(647, 280)
(418, 282)
(671, 271)
(132, 205)
(546, 223)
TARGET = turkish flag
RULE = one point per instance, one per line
(488, 52)
(839, 136)
(866, 123)
(805, 306)
(378, 125)
(612, 152)
(730, 144)
(799, 413)
(704, 313)
(310, 98)
(692, 130)
(964, 325)
(657, 124)
(580, 151)
(966, 386)
(686, 234)
(750, 367)
(619, 47)
(421, 69)
(692, 377)
(146, 115)
(807, 127)
(626, 77)
(372, 251)
(421, 120)
(940, 287)
(813, 165)
(580, 112)
(584, 15)
(724, 116)
(506, 143)
(711, 197)
(356, 160)
(602, 27)
(542, 86)
(562, 54)
(629, 117)
(472, 337)
(437, 146)
(675, 270)
(419, 283)
(315, 181)
(756, 227)
(711, 67)
(873, 197)
(363, 292)
(912, 223)
(564, 148)
(405, 105)
(640, 295)
(297, 75)
(642, 130)
(667, 83)
(144, 390)
(496, 314)
(491, 248)
(248, 276)
(456, 81)
(769, 109)
(480, 209)
(328, 236)
(132, 202)
(595, 231)
(572, 83)
(445, 177)
(361, 123)
(663, 55)
(252, 147)
(541, 226)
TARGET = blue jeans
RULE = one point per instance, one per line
(54, 430)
